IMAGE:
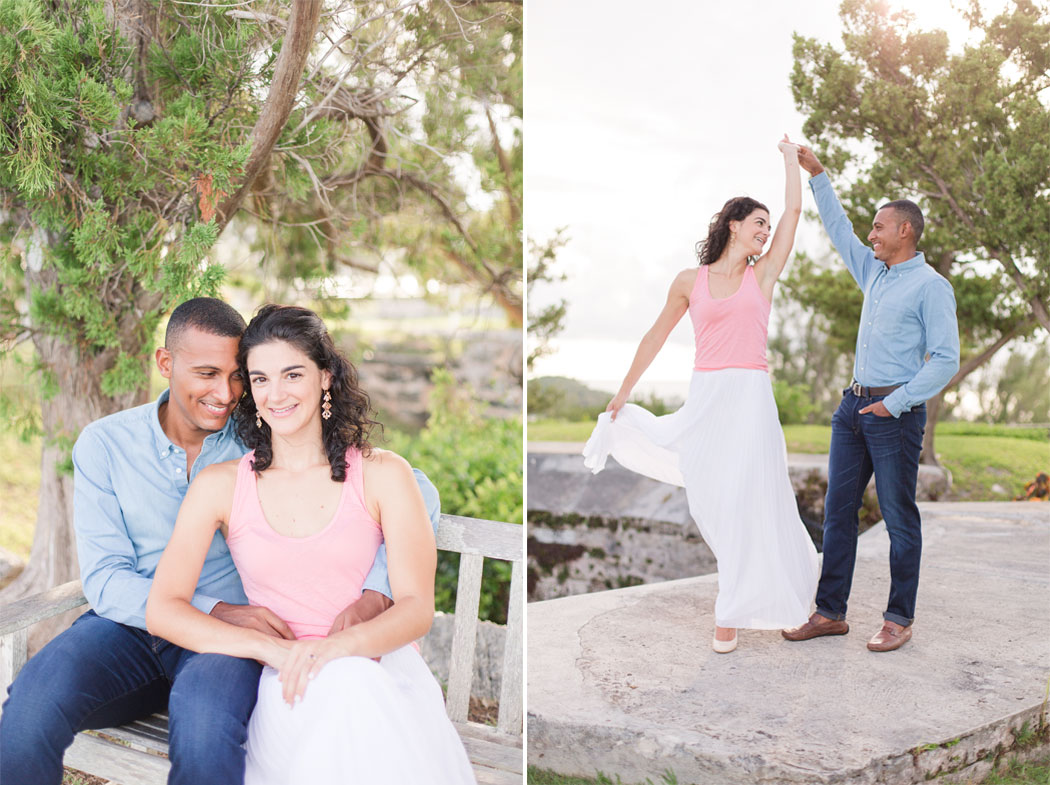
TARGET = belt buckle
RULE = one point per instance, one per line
(857, 389)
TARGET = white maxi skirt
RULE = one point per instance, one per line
(360, 723)
(725, 446)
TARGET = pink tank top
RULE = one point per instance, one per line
(307, 581)
(729, 332)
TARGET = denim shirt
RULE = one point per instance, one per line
(908, 333)
(129, 480)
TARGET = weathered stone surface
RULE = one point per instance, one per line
(597, 554)
(625, 681)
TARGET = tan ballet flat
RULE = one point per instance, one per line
(724, 647)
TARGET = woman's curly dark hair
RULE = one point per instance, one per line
(736, 209)
(350, 424)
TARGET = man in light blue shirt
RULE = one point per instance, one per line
(907, 351)
(131, 472)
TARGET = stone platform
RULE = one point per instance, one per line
(625, 682)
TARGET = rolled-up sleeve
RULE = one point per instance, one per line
(941, 326)
(378, 578)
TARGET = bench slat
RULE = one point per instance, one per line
(115, 762)
(464, 636)
(487, 776)
(492, 539)
(510, 694)
(136, 738)
(13, 648)
(494, 756)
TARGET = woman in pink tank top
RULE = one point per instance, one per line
(725, 444)
(304, 514)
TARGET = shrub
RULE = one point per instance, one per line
(475, 462)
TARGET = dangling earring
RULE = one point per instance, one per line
(258, 420)
(326, 405)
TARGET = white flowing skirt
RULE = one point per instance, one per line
(726, 448)
(359, 723)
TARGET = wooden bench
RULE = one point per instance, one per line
(137, 754)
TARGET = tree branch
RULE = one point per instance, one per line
(288, 70)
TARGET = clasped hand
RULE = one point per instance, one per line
(297, 662)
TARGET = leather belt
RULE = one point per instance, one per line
(867, 392)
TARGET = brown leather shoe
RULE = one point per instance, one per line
(891, 636)
(816, 627)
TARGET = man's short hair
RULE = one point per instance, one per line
(206, 314)
(909, 213)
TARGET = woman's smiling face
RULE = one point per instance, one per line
(753, 231)
(286, 385)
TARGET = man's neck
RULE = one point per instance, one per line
(899, 258)
(190, 440)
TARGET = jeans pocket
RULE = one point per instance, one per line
(883, 435)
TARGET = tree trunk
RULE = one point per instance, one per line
(928, 455)
(78, 401)
(933, 406)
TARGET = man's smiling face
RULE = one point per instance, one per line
(205, 383)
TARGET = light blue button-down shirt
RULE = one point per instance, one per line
(129, 480)
(908, 334)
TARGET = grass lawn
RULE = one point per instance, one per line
(1013, 773)
(19, 485)
(980, 457)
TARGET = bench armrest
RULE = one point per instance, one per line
(24, 613)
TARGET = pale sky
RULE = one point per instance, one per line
(640, 124)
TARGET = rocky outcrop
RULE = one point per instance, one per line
(590, 532)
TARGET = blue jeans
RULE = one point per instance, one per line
(860, 445)
(99, 673)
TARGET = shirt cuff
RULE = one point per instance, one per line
(895, 403)
(819, 180)
(204, 604)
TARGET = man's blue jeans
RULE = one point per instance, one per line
(860, 445)
(99, 673)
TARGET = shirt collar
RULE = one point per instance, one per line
(164, 445)
(914, 263)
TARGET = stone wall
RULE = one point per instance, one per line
(589, 532)
(488, 657)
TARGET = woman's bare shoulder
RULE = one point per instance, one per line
(683, 282)
(385, 463)
(218, 474)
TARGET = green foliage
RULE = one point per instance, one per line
(564, 398)
(1021, 393)
(794, 402)
(964, 133)
(475, 463)
(544, 323)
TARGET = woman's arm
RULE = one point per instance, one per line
(393, 497)
(675, 307)
(771, 264)
(169, 613)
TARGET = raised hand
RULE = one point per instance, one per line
(786, 146)
(808, 161)
(253, 618)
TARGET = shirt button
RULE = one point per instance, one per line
(178, 470)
